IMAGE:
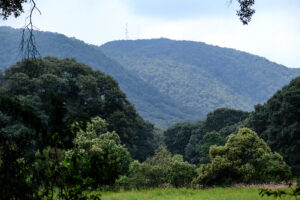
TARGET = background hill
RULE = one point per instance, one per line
(167, 81)
(151, 104)
(200, 76)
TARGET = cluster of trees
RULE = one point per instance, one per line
(245, 158)
(53, 133)
(60, 92)
(161, 170)
(276, 122)
(66, 129)
(193, 139)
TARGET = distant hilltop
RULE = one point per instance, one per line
(168, 81)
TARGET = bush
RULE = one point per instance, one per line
(160, 170)
(107, 158)
(245, 158)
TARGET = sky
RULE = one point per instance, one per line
(274, 31)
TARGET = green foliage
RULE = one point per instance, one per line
(160, 170)
(11, 7)
(106, 159)
(277, 122)
(59, 92)
(209, 139)
(177, 137)
(280, 193)
(245, 158)
(15, 168)
(17, 138)
(60, 179)
(222, 120)
(222, 117)
(181, 173)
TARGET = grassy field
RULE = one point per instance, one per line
(238, 193)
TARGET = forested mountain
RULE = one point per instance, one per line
(200, 76)
(149, 102)
(167, 81)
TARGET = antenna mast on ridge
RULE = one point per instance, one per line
(126, 32)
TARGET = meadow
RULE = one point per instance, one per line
(218, 193)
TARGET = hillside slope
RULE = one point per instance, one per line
(149, 102)
(200, 76)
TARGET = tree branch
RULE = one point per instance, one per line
(28, 45)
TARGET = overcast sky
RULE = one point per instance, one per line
(274, 31)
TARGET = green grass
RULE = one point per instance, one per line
(239, 193)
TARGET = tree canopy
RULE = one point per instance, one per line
(59, 92)
(106, 159)
(224, 121)
(277, 122)
(11, 7)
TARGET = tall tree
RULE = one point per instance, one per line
(63, 91)
(277, 122)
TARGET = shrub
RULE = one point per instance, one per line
(107, 158)
(160, 170)
(244, 158)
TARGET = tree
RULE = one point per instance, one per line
(178, 136)
(277, 122)
(15, 7)
(81, 93)
(209, 139)
(105, 159)
(245, 158)
(246, 12)
(9, 7)
(221, 120)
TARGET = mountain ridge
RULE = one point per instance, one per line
(168, 81)
(224, 77)
(148, 100)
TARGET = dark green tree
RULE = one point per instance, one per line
(177, 137)
(209, 139)
(277, 122)
(223, 120)
(60, 92)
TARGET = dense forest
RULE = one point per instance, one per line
(200, 76)
(167, 81)
(67, 129)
